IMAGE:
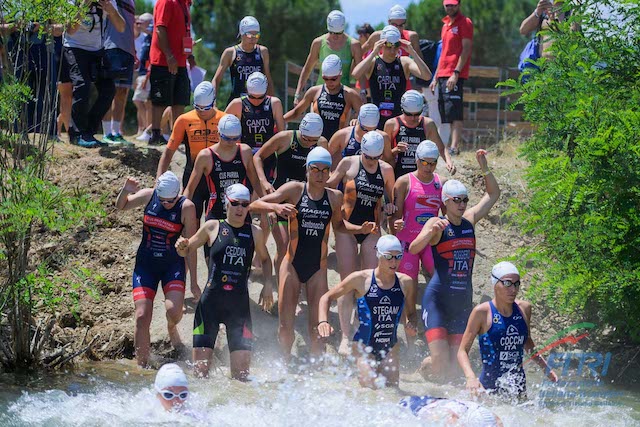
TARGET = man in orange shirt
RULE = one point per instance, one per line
(197, 129)
(453, 69)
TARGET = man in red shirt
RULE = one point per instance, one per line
(453, 69)
(170, 47)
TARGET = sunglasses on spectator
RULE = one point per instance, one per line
(201, 108)
(229, 138)
(389, 257)
(238, 203)
(424, 162)
(507, 283)
(330, 79)
(390, 45)
(169, 395)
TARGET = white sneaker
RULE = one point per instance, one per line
(144, 137)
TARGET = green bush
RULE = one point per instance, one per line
(584, 174)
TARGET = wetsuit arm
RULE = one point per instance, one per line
(400, 190)
(312, 60)
(491, 195)
(190, 228)
(271, 90)
(431, 133)
(276, 108)
(429, 235)
(130, 196)
(196, 175)
(165, 161)
(266, 296)
(225, 62)
(302, 106)
(474, 326)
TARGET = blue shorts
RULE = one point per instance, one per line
(445, 313)
(148, 273)
(121, 65)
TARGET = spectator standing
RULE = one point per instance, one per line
(142, 87)
(453, 69)
(170, 48)
(83, 49)
(120, 54)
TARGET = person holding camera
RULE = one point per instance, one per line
(83, 44)
(120, 54)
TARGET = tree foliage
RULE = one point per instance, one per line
(496, 40)
(287, 28)
(584, 174)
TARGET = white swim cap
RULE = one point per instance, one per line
(501, 269)
(248, 24)
(412, 101)
(390, 34)
(205, 94)
(336, 21)
(229, 126)
(257, 84)
(311, 125)
(369, 115)
(453, 188)
(319, 155)
(477, 416)
(387, 244)
(168, 185)
(332, 66)
(146, 17)
(237, 192)
(397, 12)
(427, 150)
(372, 144)
(170, 375)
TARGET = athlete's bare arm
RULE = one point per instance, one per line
(176, 138)
(337, 143)
(373, 38)
(205, 234)
(356, 55)
(491, 195)
(247, 160)
(409, 291)
(431, 133)
(414, 65)
(271, 90)
(339, 173)
(389, 183)
(225, 62)
(277, 144)
(131, 196)
(414, 39)
(353, 282)
(282, 201)
(341, 225)
(202, 166)
(303, 105)
(190, 228)
(365, 67)
(400, 190)
(312, 60)
(266, 296)
(278, 116)
(389, 153)
(235, 108)
(525, 308)
(475, 323)
(429, 235)
(353, 102)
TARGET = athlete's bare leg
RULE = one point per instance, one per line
(142, 336)
(66, 99)
(347, 260)
(389, 367)
(289, 290)
(202, 359)
(240, 361)
(316, 287)
(437, 365)
(173, 303)
(281, 236)
(366, 365)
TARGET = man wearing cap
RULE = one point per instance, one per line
(244, 59)
(310, 208)
(333, 101)
(503, 327)
(453, 69)
(226, 163)
(197, 130)
(347, 141)
(388, 73)
(365, 179)
(291, 148)
(398, 18)
(336, 42)
(382, 295)
(166, 216)
(447, 300)
(170, 47)
(407, 131)
(225, 299)
(171, 387)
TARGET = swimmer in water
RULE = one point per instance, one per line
(172, 387)
(450, 412)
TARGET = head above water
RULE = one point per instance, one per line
(171, 386)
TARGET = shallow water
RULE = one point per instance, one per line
(118, 393)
